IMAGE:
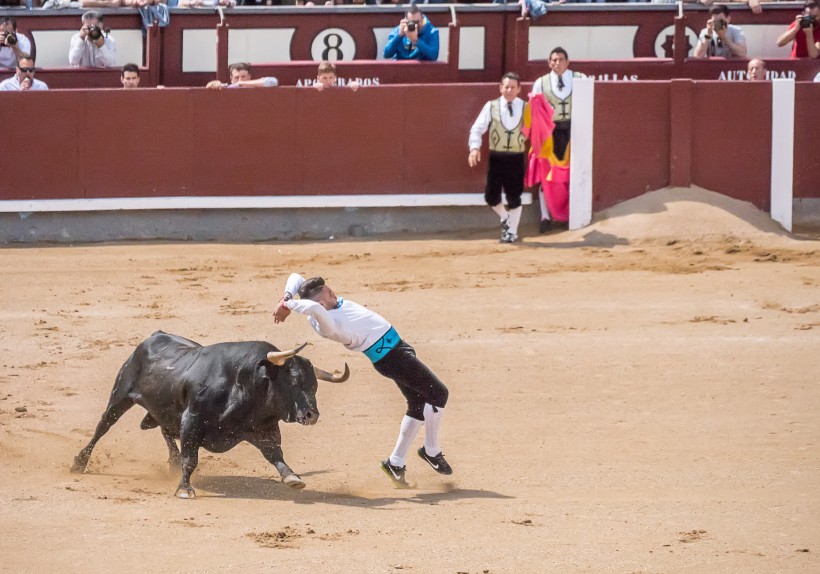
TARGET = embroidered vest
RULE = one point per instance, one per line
(563, 108)
(501, 139)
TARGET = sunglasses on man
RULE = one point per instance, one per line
(26, 70)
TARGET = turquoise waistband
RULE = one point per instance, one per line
(380, 348)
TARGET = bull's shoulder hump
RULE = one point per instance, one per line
(168, 338)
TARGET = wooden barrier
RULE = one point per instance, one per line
(390, 140)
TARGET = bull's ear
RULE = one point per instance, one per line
(279, 357)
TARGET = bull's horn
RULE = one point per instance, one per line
(333, 378)
(279, 357)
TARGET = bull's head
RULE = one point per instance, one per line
(279, 358)
(300, 403)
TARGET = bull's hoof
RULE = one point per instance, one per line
(293, 481)
(185, 492)
(78, 467)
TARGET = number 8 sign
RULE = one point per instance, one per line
(333, 44)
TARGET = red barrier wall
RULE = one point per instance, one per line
(388, 140)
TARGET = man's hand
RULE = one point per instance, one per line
(403, 27)
(281, 312)
(26, 84)
(474, 158)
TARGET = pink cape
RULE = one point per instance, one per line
(542, 166)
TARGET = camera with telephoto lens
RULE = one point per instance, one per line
(9, 39)
(95, 32)
(411, 26)
(719, 24)
(807, 21)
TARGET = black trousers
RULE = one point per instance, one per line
(505, 171)
(416, 382)
(560, 138)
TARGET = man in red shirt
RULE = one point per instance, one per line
(804, 32)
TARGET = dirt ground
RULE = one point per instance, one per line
(637, 396)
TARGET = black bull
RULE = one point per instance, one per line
(214, 397)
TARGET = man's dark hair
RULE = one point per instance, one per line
(9, 20)
(129, 68)
(24, 56)
(311, 287)
(511, 76)
(559, 50)
(239, 66)
(414, 9)
(92, 15)
(719, 9)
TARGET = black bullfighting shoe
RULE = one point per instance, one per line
(505, 227)
(545, 226)
(509, 238)
(437, 462)
(396, 473)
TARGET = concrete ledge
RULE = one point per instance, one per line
(246, 225)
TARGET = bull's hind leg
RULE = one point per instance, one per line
(174, 460)
(190, 438)
(271, 448)
(115, 409)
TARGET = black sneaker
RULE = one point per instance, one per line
(505, 228)
(437, 462)
(509, 238)
(396, 473)
(546, 225)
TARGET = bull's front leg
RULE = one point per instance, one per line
(191, 432)
(270, 444)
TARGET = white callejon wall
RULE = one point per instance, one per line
(782, 179)
(580, 162)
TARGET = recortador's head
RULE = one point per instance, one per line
(315, 289)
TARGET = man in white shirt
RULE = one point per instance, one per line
(12, 43)
(556, 87)
(360, 329)
(23, 80)
(503, 118)
(92, 46)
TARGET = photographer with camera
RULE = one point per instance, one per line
(23, 80)
(12, 43)
(804, 32)
(92, 46)
(720, 38)
(415, 38)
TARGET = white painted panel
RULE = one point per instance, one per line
(381, 35)
(471, 48)
(580, 159)
(199, 50)
(782, 151)
(52, 46)
(249, 202)
(583, 42)
(761, 40)
(258, 45)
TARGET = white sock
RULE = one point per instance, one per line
(501, 212)
(432, 423)
(515, 217)
(408, 431)
(542, 202)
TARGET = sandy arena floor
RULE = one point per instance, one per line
(638, 396)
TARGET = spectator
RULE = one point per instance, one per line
(12, 43)
(205, 3)
(503, 117)
(754, 5)
(241, 78)
(130, 76)
(92, 46)
(756, 69)
(549, 152)
(720, 38)
(326, 77)
(804, 32)
(23, 80)
(415, 38)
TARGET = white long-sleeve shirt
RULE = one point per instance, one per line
(350, 324)
(482, 122)
(85, 54)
